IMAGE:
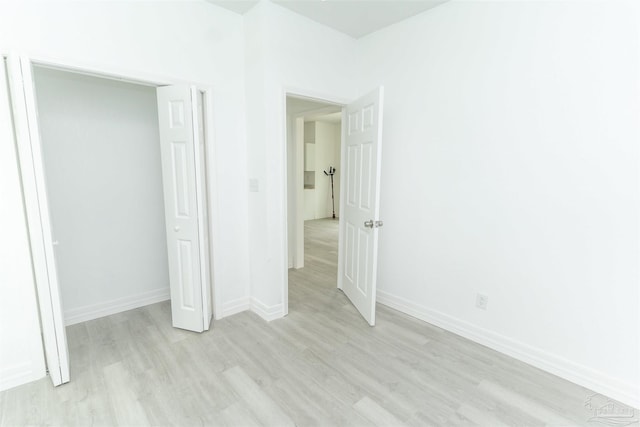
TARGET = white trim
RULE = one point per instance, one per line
(202, 199)
(211, 170)
(267, 312)
(38, 219)
(298, 150)
(557, 365)
(235, 306)
(200, 208)
(284, 290)
(95, 311)
(343, 192)
(19, 374)
(105, 71)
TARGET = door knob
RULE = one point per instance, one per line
(176, 228)
(369, 223)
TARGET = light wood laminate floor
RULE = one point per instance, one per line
(320, 366)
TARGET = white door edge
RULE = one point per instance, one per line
(343, 148)
(38, 217)
(212, 197)
(201, 200)
(299, 189)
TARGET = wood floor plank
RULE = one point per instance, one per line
(544, 414)
(480, 417)
(259, 403)
(237, 415)
(124, 401)
(376, 413)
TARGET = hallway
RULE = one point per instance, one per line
(317, 281)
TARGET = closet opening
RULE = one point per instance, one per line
(103, 173)
(116, 191)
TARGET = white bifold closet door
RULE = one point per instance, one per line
(183, 173)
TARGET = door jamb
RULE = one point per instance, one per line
(38, 222)
(37, 206)
(327, 99)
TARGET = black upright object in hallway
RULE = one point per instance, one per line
(332, 172)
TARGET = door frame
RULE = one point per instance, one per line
(24, 109)
(299, 188)
(29, 158)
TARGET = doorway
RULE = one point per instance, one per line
(186, 109)
(360, 145)
(314, 150)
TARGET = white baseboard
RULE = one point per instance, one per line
(267, 312)
(582, 375)
(19, 374)
(235, 306)
(95, 311)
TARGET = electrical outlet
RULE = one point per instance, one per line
(482, 301)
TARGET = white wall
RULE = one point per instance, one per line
(184, 41)
(511, 155)
(279, 60)
(510, 167)
(21, 353)
(101, 150)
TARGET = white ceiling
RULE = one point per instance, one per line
(237, 6)
(355, 18)
(313, 110)
(329, 118)
(298, 106)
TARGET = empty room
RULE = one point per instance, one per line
(321, 212)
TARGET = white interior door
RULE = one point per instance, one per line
(185, 206)
(34, 188)
(360, 207)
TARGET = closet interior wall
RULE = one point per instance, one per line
(101, 153)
